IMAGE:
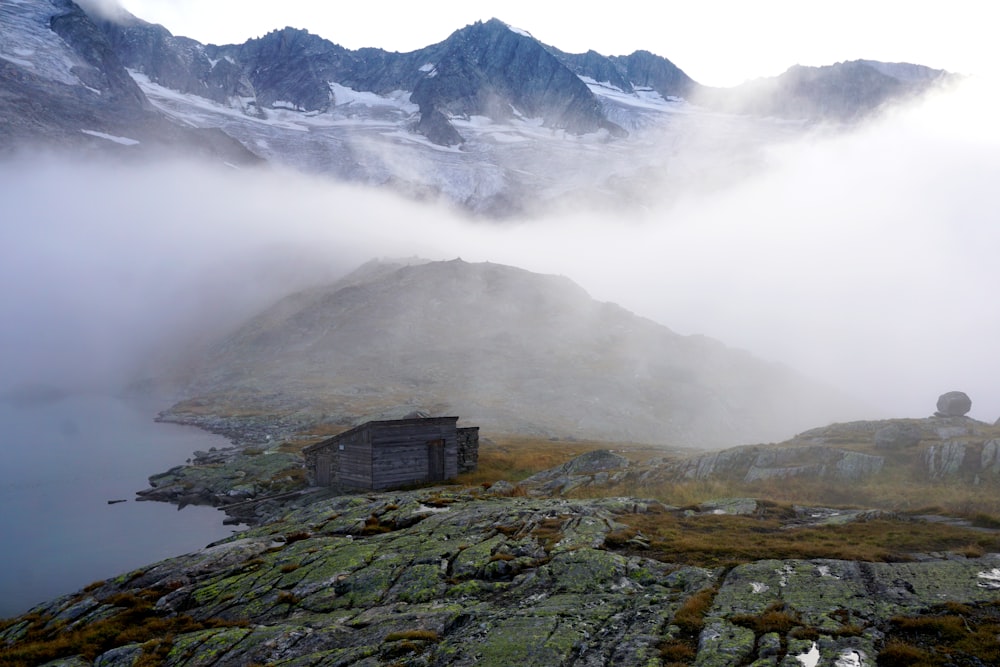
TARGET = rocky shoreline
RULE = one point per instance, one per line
(516, 573)
(445, 576)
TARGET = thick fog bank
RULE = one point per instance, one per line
(866, 260)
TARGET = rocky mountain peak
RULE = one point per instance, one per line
(490, 69)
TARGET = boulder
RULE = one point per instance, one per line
(953, 404)
(596, 461)
(897, 436)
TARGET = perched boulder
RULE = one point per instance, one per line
(953, 404)
(897, 436)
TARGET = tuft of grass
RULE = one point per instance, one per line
(548, 532)
(617, 539)
(155, 652)
(690, 616)
(777, 617)
(375, 526)
(297, 536)
(437, 500)
(690, 619)
(677, 652)
(289, 598)
(897, 653)
(502, 556)
(510, 530)
(951, 634)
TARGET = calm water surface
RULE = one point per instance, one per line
(61, 463)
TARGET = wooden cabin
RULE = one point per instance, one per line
(391, 454)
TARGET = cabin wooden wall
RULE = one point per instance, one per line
(392, 454)
(401, 455)
(355, 461)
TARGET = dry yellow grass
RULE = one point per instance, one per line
(515, 457)
(723, 540)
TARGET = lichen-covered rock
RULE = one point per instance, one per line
(897, 435)
(227, 477)
(989, 460)
(945, 459)
(442, 577)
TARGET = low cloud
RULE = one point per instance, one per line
(110, 10)
(863, 259)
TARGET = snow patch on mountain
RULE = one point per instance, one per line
(397, 99)
(124, 141)
(519, 31)
(643, 98)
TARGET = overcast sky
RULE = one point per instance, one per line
(717, 42)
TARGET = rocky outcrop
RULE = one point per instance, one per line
(957, 450)
(438, 578)
(751, 464)
(897, 435)
(245, 482)
(740, 465)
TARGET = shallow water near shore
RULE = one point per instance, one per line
(63, 460)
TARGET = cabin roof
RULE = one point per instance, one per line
(382, 422)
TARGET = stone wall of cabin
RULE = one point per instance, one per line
(468, 448)
(327, 453)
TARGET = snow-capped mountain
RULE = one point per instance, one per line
(490, 118)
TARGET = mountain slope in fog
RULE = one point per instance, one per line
(843, 92)
(504, 348)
